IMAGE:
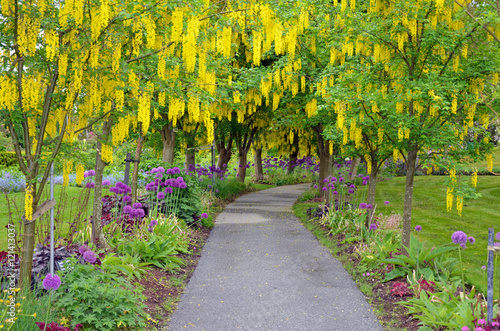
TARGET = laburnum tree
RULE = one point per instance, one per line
(414, 70)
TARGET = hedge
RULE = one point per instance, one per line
(8, 159)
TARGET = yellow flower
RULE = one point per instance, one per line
(18, 304)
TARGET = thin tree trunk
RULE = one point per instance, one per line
(135, 172)
(190, 157)
(168, 140)
(294, 153)
(242, 165)
(325, 167)
(257, 159)
(28, 245)
(225, 152)
(410, 174)
(372, 187)
(354, 167)
(97, 235)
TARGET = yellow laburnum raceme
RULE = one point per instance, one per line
(474, 178)
(236, 96)
(380, 136)
(177, 24)
(117, 53)
(460, 204)
(358, 138)
(28, 202)
(395, 155)
(52, 43)
(107, 153)
(368, 160)
(489, 161)
(449, 198)
(79, 173)
(67, 167)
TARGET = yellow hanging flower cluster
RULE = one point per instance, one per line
(27, 35)
(120, 131)
(474, 179)
(311, 107)
(67, 167)
(28, 202)
(8, 92)
(449, 198)
(176, 110)
(460, 204)
(107, 153)
(189, 48)
(453, 176)
(489, 160)
(79, 173)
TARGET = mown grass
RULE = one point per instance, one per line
(429, 211)
(482, 165)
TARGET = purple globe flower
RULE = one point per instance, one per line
(353, 186)
(315, 186)
(106, 182)
(373, 226)
(324, 188)
(184, 185)
(335, 193)
(153, 223)
(472, 240)
(137, 205)
(498, 236)
(362, 205)
(51, 282)
(365, 182)
(160, 195)
(351, 191)
(464, 246)
(204, 215)
(386, 203)
(150, 230)
(161, 169)
(325, 180)
(127, 209)
(418, 228)
(89, 257)
(216, 191)
(459, 237)
(369, 206)
(83, 248)
(168, 190)
(140, 213)
(127, 198)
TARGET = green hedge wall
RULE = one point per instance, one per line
(8, 159)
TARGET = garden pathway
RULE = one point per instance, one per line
(260, 269)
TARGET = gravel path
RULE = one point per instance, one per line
(262, 270)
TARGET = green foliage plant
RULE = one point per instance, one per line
(7, 159)
(420, 258)
(99, 300)
(128, 265)
(379, 248)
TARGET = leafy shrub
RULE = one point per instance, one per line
(99, 300)
(130, 266)
(8, 159)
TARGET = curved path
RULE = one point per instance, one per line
(262, 270)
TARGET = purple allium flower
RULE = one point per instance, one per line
(127, 198)
(161, 169)
(170, 171)
(465, 328)
(140, 213)
(333, 180)
(341, 180)
(481, 321)
(209, 186)
(495, 324)
(51, 282)
(184, 185)
(150, 230)
(83, 248)
(386, 203)
(216, 191)
(315, 186)
(498, 236)
(89, 256)
(204, 215)
(176, 170)
(137, 205)
(168, 190)
(369, 206)
(90, 185)
(160, 195)
(127, 209)
(472, 240)
(153, 223)
(464, 246)
(459, 237)
(325, 180)
(373, 226)
(324, 188)
(106, 182)
(351, 191)
(362, 205)
(418, 228)
(91, 172)
(365, 182)
(483, 267)
(335, 193)
(133, 213)
(353, 186)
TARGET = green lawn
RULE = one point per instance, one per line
(67, 207)
(483, 164)
(429, 211)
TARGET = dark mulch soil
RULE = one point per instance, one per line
(163, 289)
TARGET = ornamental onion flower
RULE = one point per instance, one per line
(459, 237)
(160, 195)
(83, 249)
(472, 240)
(204, 215)
(51, 282)
(89, 257)
(373, 226)
(386, 203)
(418, 228)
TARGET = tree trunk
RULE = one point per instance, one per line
(28, 245)
(354, 168)
(325, 167)
(168, 140)
(242, 165)
(410, 174)
(225, 152)
(97, 235)
(135, 172)
(190, 159)
(257, 159)
(294, 153)
(372, 187)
